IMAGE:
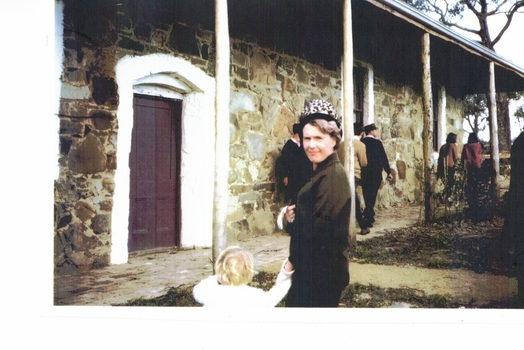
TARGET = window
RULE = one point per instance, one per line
(358, 94)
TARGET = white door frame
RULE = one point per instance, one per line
(171, 77)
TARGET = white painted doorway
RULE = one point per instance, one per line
(168, 76)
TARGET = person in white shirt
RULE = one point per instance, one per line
(229, 287)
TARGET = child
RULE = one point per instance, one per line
(234, 270)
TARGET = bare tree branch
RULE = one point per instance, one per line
(451, 12)
(509, 17)
(497, 8)
(471, 6)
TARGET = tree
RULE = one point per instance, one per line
(451, 13)
(476, 112)
(519, 115)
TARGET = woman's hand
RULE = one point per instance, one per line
(290, 213)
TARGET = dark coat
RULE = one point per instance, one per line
(296, 167)
(515, 217)
(320, 242)
(372, 175)
(377, 158)
(516, 196)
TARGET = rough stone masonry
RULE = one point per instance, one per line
(268, 91)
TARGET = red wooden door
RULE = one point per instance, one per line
(155, 172)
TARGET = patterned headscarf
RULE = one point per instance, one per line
(320, 109)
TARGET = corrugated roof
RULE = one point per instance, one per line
(434, 27)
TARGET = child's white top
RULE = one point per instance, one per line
(210, 293)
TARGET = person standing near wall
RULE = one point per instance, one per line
(361, 160)
(516, 210)
(471, 158)
(448, 157)
(319, 245)
(372, 173)
(296, 169)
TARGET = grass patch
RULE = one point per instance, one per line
(371, 296)
(354, 296)
(481, 247)
(183, 295)
(179, 296)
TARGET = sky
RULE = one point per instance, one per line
(510, 47)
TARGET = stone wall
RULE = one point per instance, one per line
(87, 138)
(268, 91)
(398, 114)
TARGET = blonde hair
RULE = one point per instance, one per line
(235, 266)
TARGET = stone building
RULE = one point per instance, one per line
(137, 116)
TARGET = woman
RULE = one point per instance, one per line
(448, 157)
(320, 241)
(471, 154)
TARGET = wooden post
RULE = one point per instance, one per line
(493, 131)
(427, 112)
(441, 116)
(222, 93)
(347, 96)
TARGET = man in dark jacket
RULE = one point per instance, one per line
(372, 173)
(297, 169)
(516, 208)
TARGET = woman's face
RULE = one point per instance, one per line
(318, 145)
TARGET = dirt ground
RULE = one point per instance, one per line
(150, 275)
(462, 285)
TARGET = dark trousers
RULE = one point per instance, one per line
(319, 292)
(472, 193)
(370, 185)
(450, 181)
(359, 212)
(520, 286)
